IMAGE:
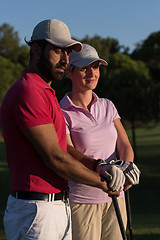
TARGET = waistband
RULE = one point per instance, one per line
(41, 196)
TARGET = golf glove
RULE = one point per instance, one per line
(129, 169)
(112, 174)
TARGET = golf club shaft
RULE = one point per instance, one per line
(117, 210)
(128, 208)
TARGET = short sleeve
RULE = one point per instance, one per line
(115, 113)
(31, 108)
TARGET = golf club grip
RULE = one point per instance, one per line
(117, 210)
(128, 208)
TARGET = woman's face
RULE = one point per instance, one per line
(86, 78)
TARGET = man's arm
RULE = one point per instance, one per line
(87, 161)
(114, 176)
(44, 139)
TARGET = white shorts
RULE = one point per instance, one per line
(32, 219)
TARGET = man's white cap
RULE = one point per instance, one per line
(87, 56)
(57, 33)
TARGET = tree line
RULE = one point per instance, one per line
(131, 80)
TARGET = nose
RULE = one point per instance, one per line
(90, 72)
(65, 57)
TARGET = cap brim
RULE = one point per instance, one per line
(75, 45)
(86, 61)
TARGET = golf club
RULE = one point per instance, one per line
(119, 217)
(118, 213)
(128, 208)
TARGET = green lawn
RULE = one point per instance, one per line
(144, 198)
(4, 186)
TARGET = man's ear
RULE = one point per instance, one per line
(36, 50)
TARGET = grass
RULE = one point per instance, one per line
(144, 198)
(4, 187)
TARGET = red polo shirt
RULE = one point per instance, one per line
(30, 102)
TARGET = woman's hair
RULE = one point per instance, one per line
(71, 68)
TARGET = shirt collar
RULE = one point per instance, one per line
(40, 81)
(66, 102)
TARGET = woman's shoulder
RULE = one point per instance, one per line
(65, 102)
(105, 101)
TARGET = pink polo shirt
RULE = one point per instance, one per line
(30, 102)
(92, 133)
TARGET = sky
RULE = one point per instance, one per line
(128, 21)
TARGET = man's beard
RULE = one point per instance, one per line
(48, 70)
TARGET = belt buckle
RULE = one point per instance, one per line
(63, 197)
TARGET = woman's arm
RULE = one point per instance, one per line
(124, 147)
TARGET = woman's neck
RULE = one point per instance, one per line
(83, 100)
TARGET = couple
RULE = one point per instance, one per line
(45, 155)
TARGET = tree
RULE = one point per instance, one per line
(13, 58)
(9, 72)
(104, 46)
(129, 86)
(149, 52)
(10, 47)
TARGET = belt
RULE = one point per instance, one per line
(41, 196)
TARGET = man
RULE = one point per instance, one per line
(34, 132)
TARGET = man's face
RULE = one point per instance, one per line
(53, 62)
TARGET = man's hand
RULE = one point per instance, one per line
(129, 169)
(112, 174)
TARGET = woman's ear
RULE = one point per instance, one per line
(68, 71)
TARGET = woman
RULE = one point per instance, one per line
(94, 128)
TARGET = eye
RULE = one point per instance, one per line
(96, 66)
(83, 69)
(57, 51)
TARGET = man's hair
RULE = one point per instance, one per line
(42, 43)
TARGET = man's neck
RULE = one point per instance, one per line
(36, 70)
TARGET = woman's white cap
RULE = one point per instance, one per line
(86, 56)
